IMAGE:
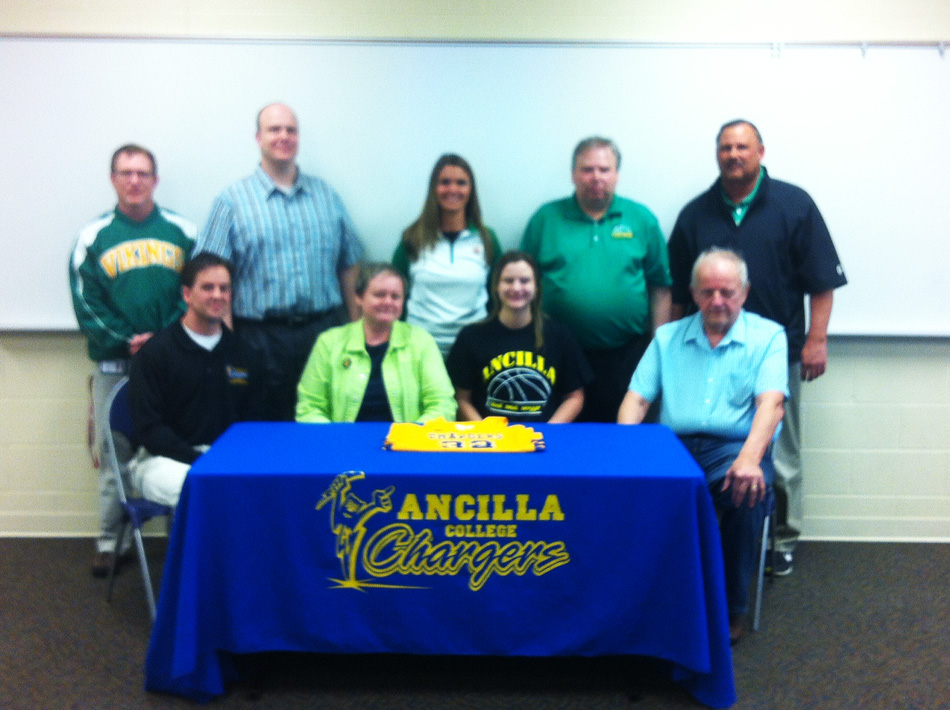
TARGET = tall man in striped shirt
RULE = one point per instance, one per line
(723, 374)
(295, 253)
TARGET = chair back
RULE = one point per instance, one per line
(120, 421)
(137, 511)
(120, 413)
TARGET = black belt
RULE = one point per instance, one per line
(291, 320)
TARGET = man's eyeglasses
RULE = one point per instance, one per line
(129, 174)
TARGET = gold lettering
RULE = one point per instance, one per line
(437, 506)
(480, 507)
(384, 554)
(501, 513)
(495, 365)
(141, 253)
(124, 253)
(156, 255)
(109, 264)
(551, 509)
(483, 508)
(479, 531)
(524, 512)
(462, 507)
(410, 509)
(395, 549)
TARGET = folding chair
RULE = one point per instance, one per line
(768, 534)
(135, 511)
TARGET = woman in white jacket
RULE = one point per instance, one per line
(447, 255)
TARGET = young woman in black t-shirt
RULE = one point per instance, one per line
(518, 363)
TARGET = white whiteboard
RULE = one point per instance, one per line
(867, 135)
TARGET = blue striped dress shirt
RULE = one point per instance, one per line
(287, 246)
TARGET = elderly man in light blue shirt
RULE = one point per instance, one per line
(295, 253)
(723, 375)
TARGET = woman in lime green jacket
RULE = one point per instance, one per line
(377, 368)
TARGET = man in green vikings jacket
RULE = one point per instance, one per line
(123, 273)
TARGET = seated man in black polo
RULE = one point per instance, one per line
(189, 383)
(723, 374)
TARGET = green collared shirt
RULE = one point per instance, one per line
(597, 274)
(739, 209)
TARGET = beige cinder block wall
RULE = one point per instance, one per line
(877, 425)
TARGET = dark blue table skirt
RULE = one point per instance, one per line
(606, 543)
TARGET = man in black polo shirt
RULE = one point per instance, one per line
(780, 233)
(189, 383)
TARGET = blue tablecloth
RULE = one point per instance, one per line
(311, 537)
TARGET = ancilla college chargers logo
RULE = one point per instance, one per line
(480, 536)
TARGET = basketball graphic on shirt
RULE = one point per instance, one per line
(518, 390)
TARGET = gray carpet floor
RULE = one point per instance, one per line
(855, 626)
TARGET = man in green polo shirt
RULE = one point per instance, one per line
(605, 273)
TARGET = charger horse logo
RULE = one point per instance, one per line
(348, 516)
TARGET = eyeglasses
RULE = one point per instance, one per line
(129, 174)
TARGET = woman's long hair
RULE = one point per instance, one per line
(537, 317)
(425, 231)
